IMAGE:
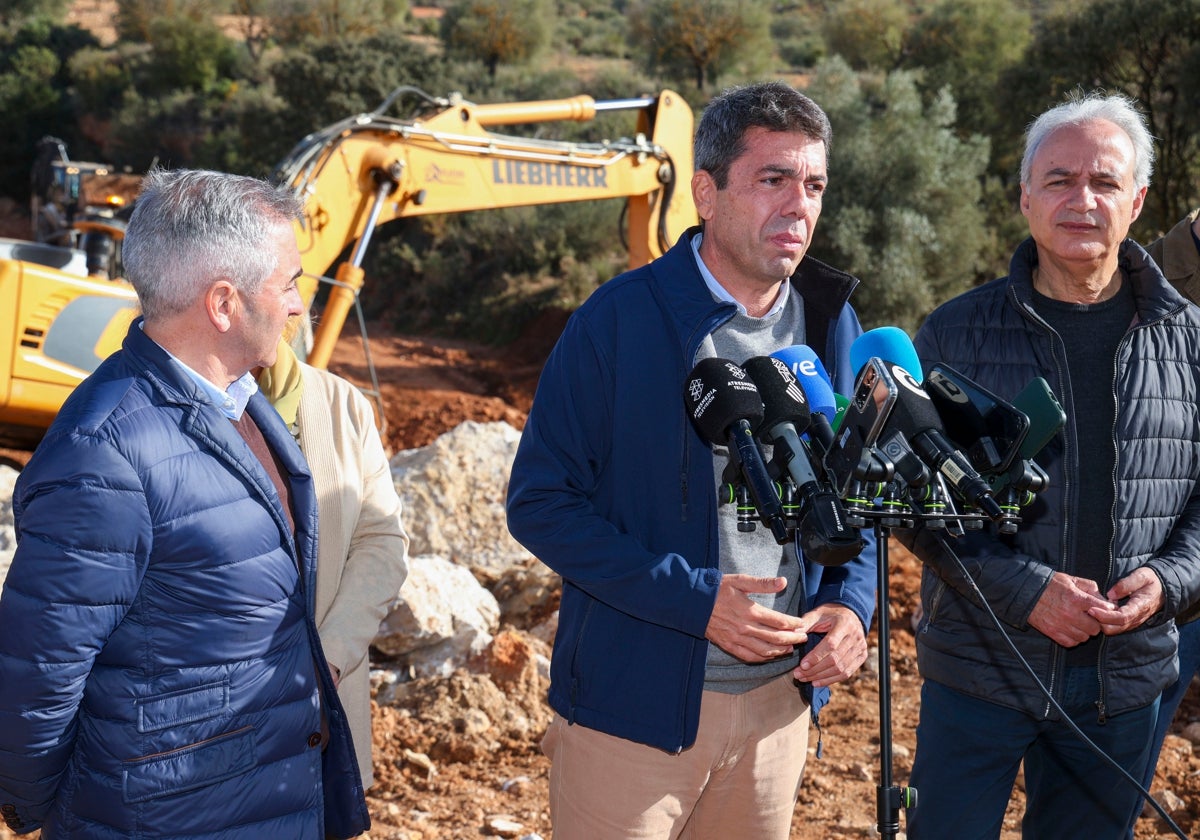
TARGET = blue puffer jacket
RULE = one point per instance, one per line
(612, 488)
(157, 643)
(993, 335)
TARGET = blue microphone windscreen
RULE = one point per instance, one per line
(812, 376)
(803, 361)
(891, 344)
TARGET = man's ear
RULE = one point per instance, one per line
(221, 304)
(1139, 202)
(703, 193)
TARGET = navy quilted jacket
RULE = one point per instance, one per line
(157, 643)
(992, 335)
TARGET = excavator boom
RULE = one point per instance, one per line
(371, 169)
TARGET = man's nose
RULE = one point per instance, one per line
(295, 304)
(1082, 197)
(799, 200)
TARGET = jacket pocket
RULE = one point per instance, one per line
(185, 706)
(188, 768)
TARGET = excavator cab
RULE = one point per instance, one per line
(80, 205)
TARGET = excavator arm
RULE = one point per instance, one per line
(371, 169)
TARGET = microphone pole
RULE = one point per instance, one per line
(889, 798)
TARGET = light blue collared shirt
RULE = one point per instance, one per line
(720, 293)
(232, 402)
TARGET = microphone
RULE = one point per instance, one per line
(824, 534)
(725, 408)
(891, 344)
(853, 459)
(908, 467)
(915, 416)
(818, 388)
(828, 408)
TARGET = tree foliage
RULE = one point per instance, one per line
(33, 100)
(191, 55)
(903, 207)
(496, 31)
(500, 267)
(16, 13)
(967, 46)
(1149, 50)
(292, 21)
(327, 80)
(868, 34)
(798, 42)
(134, 18)
(701, 40)
(593, 29)
(247, 131)
(100, 78)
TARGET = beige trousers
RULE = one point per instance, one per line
(739, 780)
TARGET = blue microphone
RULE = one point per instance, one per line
(891, 344)
(809, 371)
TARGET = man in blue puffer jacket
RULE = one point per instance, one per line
(680, 639)
(1088, 587)
(160, 669)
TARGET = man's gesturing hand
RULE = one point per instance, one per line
(750, 631)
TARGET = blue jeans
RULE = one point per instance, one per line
(969, 751)
(1172, 696)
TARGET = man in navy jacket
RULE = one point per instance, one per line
(682, 641)
(160, 669)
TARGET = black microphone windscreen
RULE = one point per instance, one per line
(914, 411)
(716, 394)
(782, 396)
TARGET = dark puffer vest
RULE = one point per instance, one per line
(992, 335)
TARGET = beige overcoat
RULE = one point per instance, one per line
(362, 557)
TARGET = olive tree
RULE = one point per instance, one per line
(903, 209)
(701, 40)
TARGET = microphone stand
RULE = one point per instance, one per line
(889, 798)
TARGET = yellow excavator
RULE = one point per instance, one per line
(61, 313)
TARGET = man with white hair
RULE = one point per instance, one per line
(1088, 587)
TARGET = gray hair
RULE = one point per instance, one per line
(775, 106)
(191, 227)
(1117, 109)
